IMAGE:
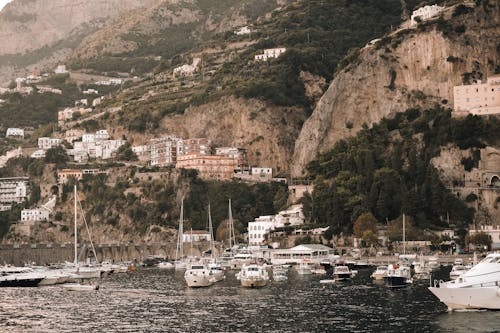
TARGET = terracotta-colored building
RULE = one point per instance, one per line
(208, 166)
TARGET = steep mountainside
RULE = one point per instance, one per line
(410, 67)
(42, 32)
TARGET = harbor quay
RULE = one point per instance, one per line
(43, 254)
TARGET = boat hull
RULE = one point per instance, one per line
(253, 283)
(342, 276)
(469, 298)
(378, 276)
(198, 281)
(23, 282)
(395, 281)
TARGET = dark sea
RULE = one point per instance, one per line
(152, 300)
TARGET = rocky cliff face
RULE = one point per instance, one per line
(409, 68)
(267, 131)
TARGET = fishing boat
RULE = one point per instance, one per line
(80, 286)
(198, 275)
(398, 276)
(478, 288)
(253, 276)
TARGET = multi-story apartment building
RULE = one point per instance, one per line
(238, 154)
(208, 166)
(47, 143)
(37, 215)
(200, 146)
(13, 190)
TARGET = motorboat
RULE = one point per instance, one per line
(433, 263)
(379, 273)
(30, 279)
(253, 276)
(456, 271)
(280, 273)
(342, 273)
(398, 276)
(421, 269)
(217, 271)
(165, 265)
(318, 270)
(198, 275)
(478, 288)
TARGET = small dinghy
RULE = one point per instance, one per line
(80, 287)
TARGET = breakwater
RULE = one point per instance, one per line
(42, 254)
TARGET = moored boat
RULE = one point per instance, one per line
(342, 273)
(478, 288)
(198, 275)
(253, 276)
(379, 273)
(398, 276)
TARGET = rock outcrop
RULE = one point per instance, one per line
(409, 68)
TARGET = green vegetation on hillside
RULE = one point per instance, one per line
(158, 202)
(386, 171)
(317, 34)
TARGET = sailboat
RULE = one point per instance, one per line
(214, 267)
(180, 262)
(77, 272)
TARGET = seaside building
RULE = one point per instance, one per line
(478, 99)
(13, 190)
(492, 231)
(195, 236)
(313, 253)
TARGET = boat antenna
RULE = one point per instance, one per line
(404, 235)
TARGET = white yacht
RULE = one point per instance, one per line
(253, 276)
(433, 263)
(379, 273)
(217, 271)
(198, 275)
(342, 273)
(478, 288)
(165, 265)
(398, 276)
(456, 271)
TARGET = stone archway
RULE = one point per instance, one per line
(494, 181)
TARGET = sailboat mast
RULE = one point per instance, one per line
(232, 238)
(404, 235)
(76, 229)
(210, 229)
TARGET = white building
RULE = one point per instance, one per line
(90, 92)
(37, 215)
(196, 236)
(12, 131)
(258, 229)
(60, 69)
(243, 31)
(104, 149)
(97, 101)
(47, 143)
(313, 253)
(187, 69)
(40, 153)
(479, 98)
(73, 135)
(270, 53)
(425, 13)
(82, 102)
(101, 135)
(13, 190)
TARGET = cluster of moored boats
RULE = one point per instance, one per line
(67, 276)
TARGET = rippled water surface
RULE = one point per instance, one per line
(158, 301)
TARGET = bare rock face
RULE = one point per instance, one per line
(269, 132)
(410, 68)
(27, 25)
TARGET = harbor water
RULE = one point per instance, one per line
(152, 300)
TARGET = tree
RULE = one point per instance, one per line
(125, 153)
(480, 239)
(56, 155)
(365, 228)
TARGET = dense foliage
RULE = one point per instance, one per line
(159, 201)
(317, 34)
(386, 171)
